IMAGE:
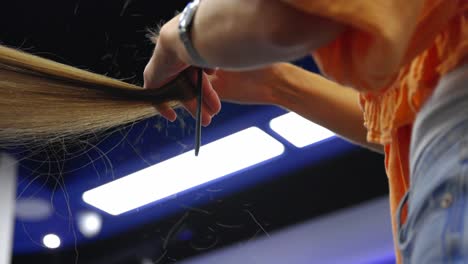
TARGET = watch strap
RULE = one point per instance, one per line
(185, 29)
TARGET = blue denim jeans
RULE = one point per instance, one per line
(436, 229)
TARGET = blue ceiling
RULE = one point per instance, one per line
(143, 145)
(108, 37)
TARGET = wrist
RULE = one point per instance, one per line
(186, 28)
(170, 41)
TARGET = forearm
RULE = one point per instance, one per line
(322, 101)
(250, 33)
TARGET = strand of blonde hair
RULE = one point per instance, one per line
(43, 101)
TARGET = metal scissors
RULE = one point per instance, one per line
(198, 118)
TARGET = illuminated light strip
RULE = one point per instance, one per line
(219, 158)
(299, 131)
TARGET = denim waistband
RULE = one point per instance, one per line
(438, 136)
(433, 129)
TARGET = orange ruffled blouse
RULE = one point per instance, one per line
(394, 52)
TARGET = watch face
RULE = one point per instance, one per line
(183, 18)
(187, 15)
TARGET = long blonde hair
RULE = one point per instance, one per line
(42, 101)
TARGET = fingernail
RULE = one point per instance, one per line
(208, 122)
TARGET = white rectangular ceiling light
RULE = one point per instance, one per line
(299, 131)
(217, 159)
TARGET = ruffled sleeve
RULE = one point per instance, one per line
(379, 39)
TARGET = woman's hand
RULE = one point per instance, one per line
(164, 66)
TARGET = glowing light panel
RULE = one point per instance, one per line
(299, 131)
(217, 159)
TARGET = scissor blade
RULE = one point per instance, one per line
(199, 111)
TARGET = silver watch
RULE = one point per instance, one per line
(185, 26)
